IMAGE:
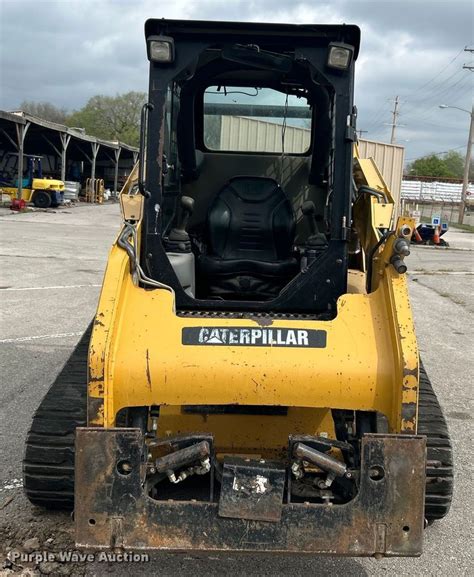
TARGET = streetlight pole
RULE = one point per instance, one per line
(467, 162)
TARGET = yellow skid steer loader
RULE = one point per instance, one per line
(251, 380)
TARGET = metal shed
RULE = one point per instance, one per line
(25, 133)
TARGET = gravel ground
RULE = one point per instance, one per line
(51, 271)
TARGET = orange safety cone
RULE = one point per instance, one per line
(436, 235)
(417, 235)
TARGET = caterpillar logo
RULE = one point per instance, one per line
(258, 337)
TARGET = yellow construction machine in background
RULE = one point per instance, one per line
(42, 192)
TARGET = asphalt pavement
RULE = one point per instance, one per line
(51, 267)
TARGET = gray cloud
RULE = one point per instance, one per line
(67, 51)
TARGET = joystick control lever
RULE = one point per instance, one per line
(178, 238)
(316, 243)
(309, 210)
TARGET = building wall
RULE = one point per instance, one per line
(240, 133)
(247, 134)
(389, 159)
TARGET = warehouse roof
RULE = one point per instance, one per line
(45, 137)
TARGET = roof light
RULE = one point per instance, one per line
(340, 56)
(160, 49)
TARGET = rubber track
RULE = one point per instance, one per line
(439, 472)
(48, 465)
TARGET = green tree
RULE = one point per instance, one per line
(450, 165)
(454, 162)
(45, 110)
(111, 117)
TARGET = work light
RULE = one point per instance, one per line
(160, 49)
(340, 55)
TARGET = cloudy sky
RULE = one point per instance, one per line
(66, 51)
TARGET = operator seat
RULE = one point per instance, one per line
(249, 237)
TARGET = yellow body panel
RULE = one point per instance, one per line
(137, 358)
(47, 184)
(26, 193)
(266, 435)
(370, 361)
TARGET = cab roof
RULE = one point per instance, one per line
(268, 35)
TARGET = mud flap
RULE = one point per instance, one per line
(385, 518)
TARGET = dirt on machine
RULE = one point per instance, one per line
(251, 380)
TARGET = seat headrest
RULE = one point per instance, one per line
(253, 188)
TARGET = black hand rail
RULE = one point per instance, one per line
(141, 162)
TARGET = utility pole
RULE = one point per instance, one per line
(361, 132)
(395, 114)
(468, 66)
(467, 164)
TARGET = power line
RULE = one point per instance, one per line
(436, 153)
(440, 72)
(449, 88)
(433, 92)
(443, 94)
(436, 124)
(377, 116)
(460, 95)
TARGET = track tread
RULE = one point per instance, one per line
(439, 471)
(48, 464)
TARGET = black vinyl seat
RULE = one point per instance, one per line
(249, 237)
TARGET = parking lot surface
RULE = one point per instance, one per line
(51, 267)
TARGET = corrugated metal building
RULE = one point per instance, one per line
(241, 133)
(390, 159)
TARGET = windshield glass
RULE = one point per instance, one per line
(254, 119)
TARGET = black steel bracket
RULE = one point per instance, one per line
(385, 518)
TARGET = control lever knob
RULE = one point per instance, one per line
(187, 204)
(309, 210)
(178, 235)
(187, 207)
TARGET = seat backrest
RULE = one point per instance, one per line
(251, 218)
